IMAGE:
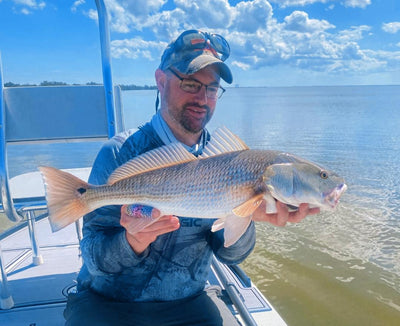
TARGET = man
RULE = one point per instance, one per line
(158, 276)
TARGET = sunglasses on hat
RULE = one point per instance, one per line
(198, 40)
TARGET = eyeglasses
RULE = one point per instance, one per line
(193, 86)
(196, 40)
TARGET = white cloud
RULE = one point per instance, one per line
(241, 65)
(252, 15)
(76, 4)
(135, 48)
(298, 21)
(121, 19)
(291, 3)
(355, 33)
(167, 24)
(206, 13)
(29, 5)
(256, 37)
(392, 28)
(346, 3)
(128, 15)
(357, 3)
(141, 7)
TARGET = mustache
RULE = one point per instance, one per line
(195, 104)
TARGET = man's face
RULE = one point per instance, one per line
(185, 110)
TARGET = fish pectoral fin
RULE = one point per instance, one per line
(234, 227)
(248, 207)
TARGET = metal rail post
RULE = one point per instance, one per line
(106, 65)
(37, 258)
(6, 300)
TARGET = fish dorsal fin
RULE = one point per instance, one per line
(223, 141)
(161, 157)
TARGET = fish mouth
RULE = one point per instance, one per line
(332, 198)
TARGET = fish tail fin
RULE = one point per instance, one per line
(65, 195)
(234, 227)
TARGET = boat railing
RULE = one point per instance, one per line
(232, 290)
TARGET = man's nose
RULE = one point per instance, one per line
(201, 96)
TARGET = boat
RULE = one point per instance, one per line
(39, 267)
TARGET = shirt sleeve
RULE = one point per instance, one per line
(104, 246)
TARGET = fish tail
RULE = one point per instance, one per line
(65, 195)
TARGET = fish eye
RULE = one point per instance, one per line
(324, 174)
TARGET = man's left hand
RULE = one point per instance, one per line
(282, 216)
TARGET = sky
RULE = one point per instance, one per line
(273, 43)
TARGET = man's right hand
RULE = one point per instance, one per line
(141, 240)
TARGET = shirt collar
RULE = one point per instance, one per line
(164, 132)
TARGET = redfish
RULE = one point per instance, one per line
(227, 182)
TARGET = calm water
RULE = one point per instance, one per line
(340, 268)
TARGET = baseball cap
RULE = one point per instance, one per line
(194, 50)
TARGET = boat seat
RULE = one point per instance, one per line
(40, 115)
(44, 115)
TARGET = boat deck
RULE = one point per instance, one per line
(39, 291)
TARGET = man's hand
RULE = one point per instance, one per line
(141, 240)
(283, 215)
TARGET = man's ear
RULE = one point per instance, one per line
(161, 79)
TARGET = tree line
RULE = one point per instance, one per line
(55, 83)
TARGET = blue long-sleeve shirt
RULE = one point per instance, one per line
(174, 266)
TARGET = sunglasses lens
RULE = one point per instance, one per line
(220, 45)
(194, 39)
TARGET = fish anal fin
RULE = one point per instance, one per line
(218, 225)
(234, 227)
(136, 224)
(249, 206)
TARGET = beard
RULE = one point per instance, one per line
(189, 121)
(183, 114)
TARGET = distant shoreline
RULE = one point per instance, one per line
(47, 83)
(154, 87)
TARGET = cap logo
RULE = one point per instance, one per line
(196, 41)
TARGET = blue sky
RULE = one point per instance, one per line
(273, 43)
